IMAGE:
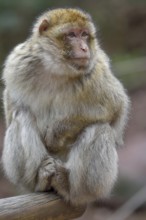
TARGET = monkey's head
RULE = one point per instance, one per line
(68, 37)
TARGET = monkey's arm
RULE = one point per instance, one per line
(120, 118)
(115, 104)
(25, 159)
(113, 98)
(121, 122)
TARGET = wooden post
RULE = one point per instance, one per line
(37, 206)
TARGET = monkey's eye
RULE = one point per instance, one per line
(85, 34)
(71, 34)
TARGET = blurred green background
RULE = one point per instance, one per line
(121, 26)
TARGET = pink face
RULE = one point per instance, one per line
(78, 39)
(76, 44)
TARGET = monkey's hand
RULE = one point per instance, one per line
(60, 180)
(46, 171)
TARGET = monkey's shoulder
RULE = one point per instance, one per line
(21, 59)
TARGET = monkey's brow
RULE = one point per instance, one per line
(64, 28)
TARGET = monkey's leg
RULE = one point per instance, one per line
(25, 159)
(92, 166)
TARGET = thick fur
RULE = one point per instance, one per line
(63, 123)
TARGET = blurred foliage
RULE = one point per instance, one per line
(121, 24)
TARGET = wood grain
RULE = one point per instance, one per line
(38, 206)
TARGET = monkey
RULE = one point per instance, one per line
(65, 110)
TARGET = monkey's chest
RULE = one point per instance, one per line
(65, 119)
(64, 133)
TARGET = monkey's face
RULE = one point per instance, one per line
(76, 47)
(71, 38)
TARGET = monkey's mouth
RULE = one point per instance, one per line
(83, 62)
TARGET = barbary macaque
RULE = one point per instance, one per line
(65, 110)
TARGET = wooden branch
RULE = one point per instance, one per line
(38, 206)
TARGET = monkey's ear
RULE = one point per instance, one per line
(43, 26)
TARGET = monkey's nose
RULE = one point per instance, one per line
(84, 47)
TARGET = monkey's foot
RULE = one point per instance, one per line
(45, 174)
